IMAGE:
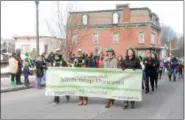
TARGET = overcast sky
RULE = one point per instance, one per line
(18, 17)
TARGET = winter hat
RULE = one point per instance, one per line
(79, 51)
(58, 53)
(27, 54)
(109, 50)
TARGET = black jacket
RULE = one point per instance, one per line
(150, 65)
(39, 69)
(62, 63)
(157, 64)
(131, 64)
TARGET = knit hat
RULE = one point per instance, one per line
(109, 50)
(79, 51)
(27, 54)
(58, 53)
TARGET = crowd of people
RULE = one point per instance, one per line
(150, 64)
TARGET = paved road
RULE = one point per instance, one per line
(165, 103)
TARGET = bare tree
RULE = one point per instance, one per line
(167, 34)
(57, 25)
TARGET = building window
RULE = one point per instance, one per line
(152, 39)
(115, 38)
(141, 37)
(84, 19)
(95, 38)
(115, 18)
(74, 40)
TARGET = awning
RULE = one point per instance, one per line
(146, 48)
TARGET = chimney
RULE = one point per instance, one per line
(122, 6)
(125, 16)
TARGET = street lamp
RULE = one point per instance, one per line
(37, 26)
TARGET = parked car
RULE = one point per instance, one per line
(5, 56)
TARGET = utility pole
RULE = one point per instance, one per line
(37, 26)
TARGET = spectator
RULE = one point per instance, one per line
(51, 58)
(33, 56)
(28, 60)
(26, 73)
(39, 71)
(19, 72)
(13, 65)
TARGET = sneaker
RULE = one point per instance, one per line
(125, 107)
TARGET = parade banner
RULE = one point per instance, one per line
(94, 82)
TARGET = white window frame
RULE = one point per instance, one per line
(152, 39)
(74, 40)
(85, 19)
(141, 40)
(96, 38)
(116, 38)
(115, 18)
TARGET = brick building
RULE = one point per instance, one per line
(120, 29)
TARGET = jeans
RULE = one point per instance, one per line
(144, 75)
(174, 72)
(39, 80)
(26, 79)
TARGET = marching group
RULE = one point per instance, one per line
(152, 68)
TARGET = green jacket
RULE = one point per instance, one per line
(29, 61)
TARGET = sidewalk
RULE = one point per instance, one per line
(5, 84)
(6, 70)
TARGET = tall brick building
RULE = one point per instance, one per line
(120, 29)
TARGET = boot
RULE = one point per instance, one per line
(169, 78)
(85, 101)
(152, 88)
(67, 98)
(174, 79)
(125, 105)
(109, 103)
(132, 104)
(147, 91)
(81, 101)
(12, 84)
(156, 85)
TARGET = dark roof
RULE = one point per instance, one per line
(143, 8)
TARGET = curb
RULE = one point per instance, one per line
(18, 88)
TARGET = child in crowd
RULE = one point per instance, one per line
(26, 73)
(39, 71)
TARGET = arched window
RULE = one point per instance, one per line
(84, 19)
(115, 18)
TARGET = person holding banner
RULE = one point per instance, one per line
(110, 61)
(130, 62)
(81, 62)
(59, 61)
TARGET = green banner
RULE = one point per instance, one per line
(94, 82)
